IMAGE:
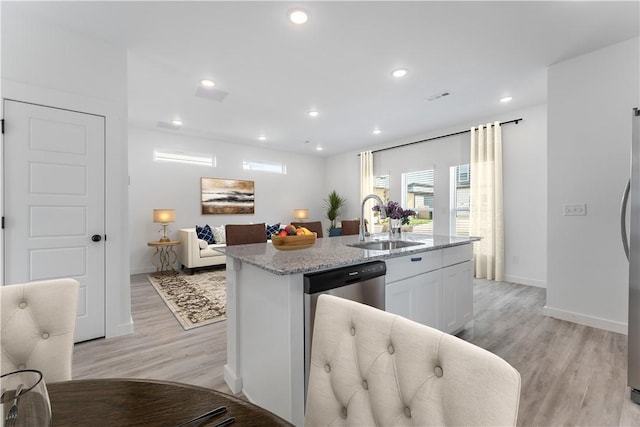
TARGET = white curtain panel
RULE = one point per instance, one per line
(486, 216)
(366, 183)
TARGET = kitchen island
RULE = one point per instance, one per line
(429, 282)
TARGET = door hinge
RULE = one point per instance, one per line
(2, 127)
(105, 237)
(3, 223)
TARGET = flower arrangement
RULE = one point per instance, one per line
(395, 211)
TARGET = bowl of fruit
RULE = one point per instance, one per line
(290, 238)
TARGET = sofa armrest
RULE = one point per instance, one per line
(190, 250)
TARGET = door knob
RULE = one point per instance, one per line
(96, 237)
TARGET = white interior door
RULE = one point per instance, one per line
(54, 203)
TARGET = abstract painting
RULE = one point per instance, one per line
(226, 196)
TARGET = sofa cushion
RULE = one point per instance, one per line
(219, 234)
(271, 229)
(205, 233)
(203, 244)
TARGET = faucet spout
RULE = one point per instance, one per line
(383, 213)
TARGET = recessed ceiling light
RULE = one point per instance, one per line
(318, 148)
(313, 113)
(506, 99)
(376, 131)
(262, 138)
(400, 72)
(207, 83)
(176, 122)
(298, 16)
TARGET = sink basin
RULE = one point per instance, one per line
(384, 245)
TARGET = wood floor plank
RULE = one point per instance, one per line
(572, 375)
(158, 348)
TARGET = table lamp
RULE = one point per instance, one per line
(164, 217)
(301, 214)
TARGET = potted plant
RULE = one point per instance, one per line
(333, 203)
(397, 217)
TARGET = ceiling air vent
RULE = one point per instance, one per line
(211, 94)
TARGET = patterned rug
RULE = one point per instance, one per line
(195, 300)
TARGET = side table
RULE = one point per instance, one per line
(165, 257)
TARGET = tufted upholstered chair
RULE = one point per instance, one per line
(373, 368)
(38, 322)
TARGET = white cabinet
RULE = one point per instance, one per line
(434, 288)
(457, 296)
(416, 298)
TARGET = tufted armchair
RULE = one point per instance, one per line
(372, 368)
(37, 327)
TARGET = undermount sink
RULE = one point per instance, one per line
(384, 245)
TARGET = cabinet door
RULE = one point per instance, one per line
(457, 296)
(416, 298)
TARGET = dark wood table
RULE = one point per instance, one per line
(133, 402)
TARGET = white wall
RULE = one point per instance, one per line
(524, 167)
(589, 123)
(47, 65)
(177, 186)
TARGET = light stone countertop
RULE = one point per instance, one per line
(332, 252)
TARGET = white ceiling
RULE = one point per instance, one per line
(339, 63)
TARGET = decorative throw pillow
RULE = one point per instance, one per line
(271, 229)
(219, 235)
(203, 244)
(205, 233)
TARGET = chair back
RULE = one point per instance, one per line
(37, 327)
(243, 234)
(315, 226)
(369, 367)
(350, 227)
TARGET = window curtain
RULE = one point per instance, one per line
(486, 215)
(366, 184)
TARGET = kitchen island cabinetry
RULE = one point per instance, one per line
(434, 288)
(266, 314)
(416, 298)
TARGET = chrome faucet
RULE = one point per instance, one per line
(383, 213)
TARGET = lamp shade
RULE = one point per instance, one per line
(301, 213)
(164, 215)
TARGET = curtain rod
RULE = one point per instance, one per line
(439, 137)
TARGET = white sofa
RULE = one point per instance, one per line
(196, 253)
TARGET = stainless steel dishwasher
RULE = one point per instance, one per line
(362, 283)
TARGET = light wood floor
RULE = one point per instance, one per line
(571, 374)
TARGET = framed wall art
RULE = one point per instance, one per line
(226, 196)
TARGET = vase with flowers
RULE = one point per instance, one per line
(397, 218)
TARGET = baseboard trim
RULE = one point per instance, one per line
(525, 281)
(596, 322)
(233, 381)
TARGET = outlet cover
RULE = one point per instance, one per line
(575, 210)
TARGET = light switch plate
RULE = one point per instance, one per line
(575, 210)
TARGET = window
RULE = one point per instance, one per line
(380, 189)
(264, 167)
(418, 195)
(460, 199)
(184, 157)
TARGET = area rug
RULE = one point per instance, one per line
(195, 300)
